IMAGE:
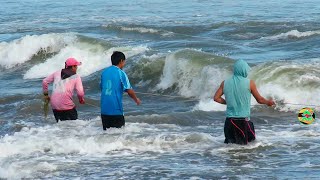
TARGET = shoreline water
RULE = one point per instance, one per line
(176, 59)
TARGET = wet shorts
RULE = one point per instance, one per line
(109, 121)
(63, 115)
(239, 131)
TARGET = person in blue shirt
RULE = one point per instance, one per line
(114, 82)
(237, 90)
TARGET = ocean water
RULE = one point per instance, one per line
(178, 52)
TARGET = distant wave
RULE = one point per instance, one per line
(143, 30)
(140, 29)
(293, 34)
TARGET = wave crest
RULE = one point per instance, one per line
(293, 34)
(22, 50)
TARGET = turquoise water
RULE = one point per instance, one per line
(178, 52)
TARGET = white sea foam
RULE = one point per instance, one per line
(154, 57)
(26, 169)
(23, 49)
(87, 137)
(140, 29)
(209, 105)
(147, 30)
(93, 58)
(44, 149)
(293, 34)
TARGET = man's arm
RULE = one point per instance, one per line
(45, 83)
(258, 97)
(217, 97)
(80, 91)
(128, 88)
(132, 94)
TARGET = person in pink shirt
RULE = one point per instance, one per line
(65, 81)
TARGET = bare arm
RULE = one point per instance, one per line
(217, 97)
(258, 97)
(132, 94)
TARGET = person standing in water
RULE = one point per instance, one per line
(114, 81)
(237, 90)
(65, 81)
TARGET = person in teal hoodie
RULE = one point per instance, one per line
(237, 90)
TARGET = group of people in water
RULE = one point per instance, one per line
(114, 82)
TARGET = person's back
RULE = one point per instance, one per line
(114, 82)
(237, 90)
(62, 91)
(65, 81)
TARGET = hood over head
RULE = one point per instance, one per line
(241, 68)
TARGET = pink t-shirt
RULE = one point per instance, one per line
(62, 91)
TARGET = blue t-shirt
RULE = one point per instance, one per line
(113, 83)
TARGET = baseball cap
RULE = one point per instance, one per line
(72, 62)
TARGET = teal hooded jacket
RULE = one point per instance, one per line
(237, 91)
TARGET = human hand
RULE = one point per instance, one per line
(46, 97)
(271, 102)
(138, 101)
(81, 101)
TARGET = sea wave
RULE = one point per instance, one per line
(189, 73)
(295, 34)
(93, 56)
(138, 29)
(196, 74)
(289, 83)
(22, 50)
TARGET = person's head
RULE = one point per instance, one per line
(72, 63)
(118, 59)
(241, 68)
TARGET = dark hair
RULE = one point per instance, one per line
(116, 57)
(67, 67)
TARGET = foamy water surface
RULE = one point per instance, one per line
(177, 53)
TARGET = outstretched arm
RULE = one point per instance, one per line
(258, 97)
(217, 97)
(132, 94)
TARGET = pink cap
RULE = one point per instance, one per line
(72, 62)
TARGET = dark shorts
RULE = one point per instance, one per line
(239, 131)
(109, 121)
(63, 115)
